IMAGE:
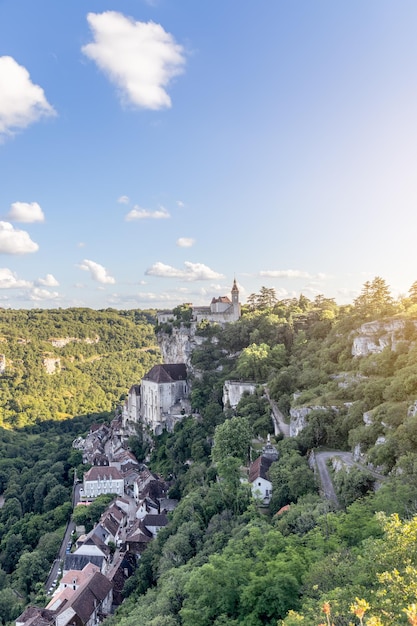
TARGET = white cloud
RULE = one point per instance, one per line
(97, 272)
(123, 200)
(48, 281)
(156, 297)
(284, 274)
(192, 272)
(25, 212)
(292, 274)
(81, 244)
(9, 280)
(185, 242)
(14, 241)
(21, 101)
(180, 204)
(37, 294)
(139, 58)
(137, 213)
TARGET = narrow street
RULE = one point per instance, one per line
(280, 426)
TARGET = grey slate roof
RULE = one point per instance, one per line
(167, 373)
(79, 561)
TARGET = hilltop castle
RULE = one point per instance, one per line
(221, 310)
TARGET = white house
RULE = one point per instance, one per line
(258, 477)
(100, 480)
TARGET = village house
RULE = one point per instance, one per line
(101, 480)
(258, 474)
(85, 603)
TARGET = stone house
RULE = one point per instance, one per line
(258, 473)
(86, 605)
(102, 480)
(258, 478)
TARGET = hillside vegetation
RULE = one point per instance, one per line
(223, 562)
(66, 362)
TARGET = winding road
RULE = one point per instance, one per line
(321, 459)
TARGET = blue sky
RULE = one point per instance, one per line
(150, 152)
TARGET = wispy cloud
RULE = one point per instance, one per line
(123, 200)
(137, 213)
(48, 281)
(140, 58)
(292, 274)
(9, 280)
(185, 242)
(21, 102)
(28, 212)
(14, 241)
(192, 272)
(97, 272)
(37, 294)
(284, 274)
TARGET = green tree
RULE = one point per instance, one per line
(375, 299)
(232, 439)
(253, 363)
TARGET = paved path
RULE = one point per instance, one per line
(321, 459)
(280, 426)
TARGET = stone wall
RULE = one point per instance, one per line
(234, 390)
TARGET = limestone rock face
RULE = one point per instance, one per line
(61, 342)
(51, 365)
(373, 337)
(298, 418)
(178, 346)
(412, 410)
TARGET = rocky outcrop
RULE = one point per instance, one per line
(51, 364)
(177, 346)
(298, 418)
(373, 337)
(63, 341)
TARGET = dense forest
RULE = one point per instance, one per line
(223, 560)
(99, 355)
(65, 362)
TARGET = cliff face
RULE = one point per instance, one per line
(178, 346)
(373, 337)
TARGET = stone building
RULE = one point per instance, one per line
(221, 310)
(163, 390)
(100, 480)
